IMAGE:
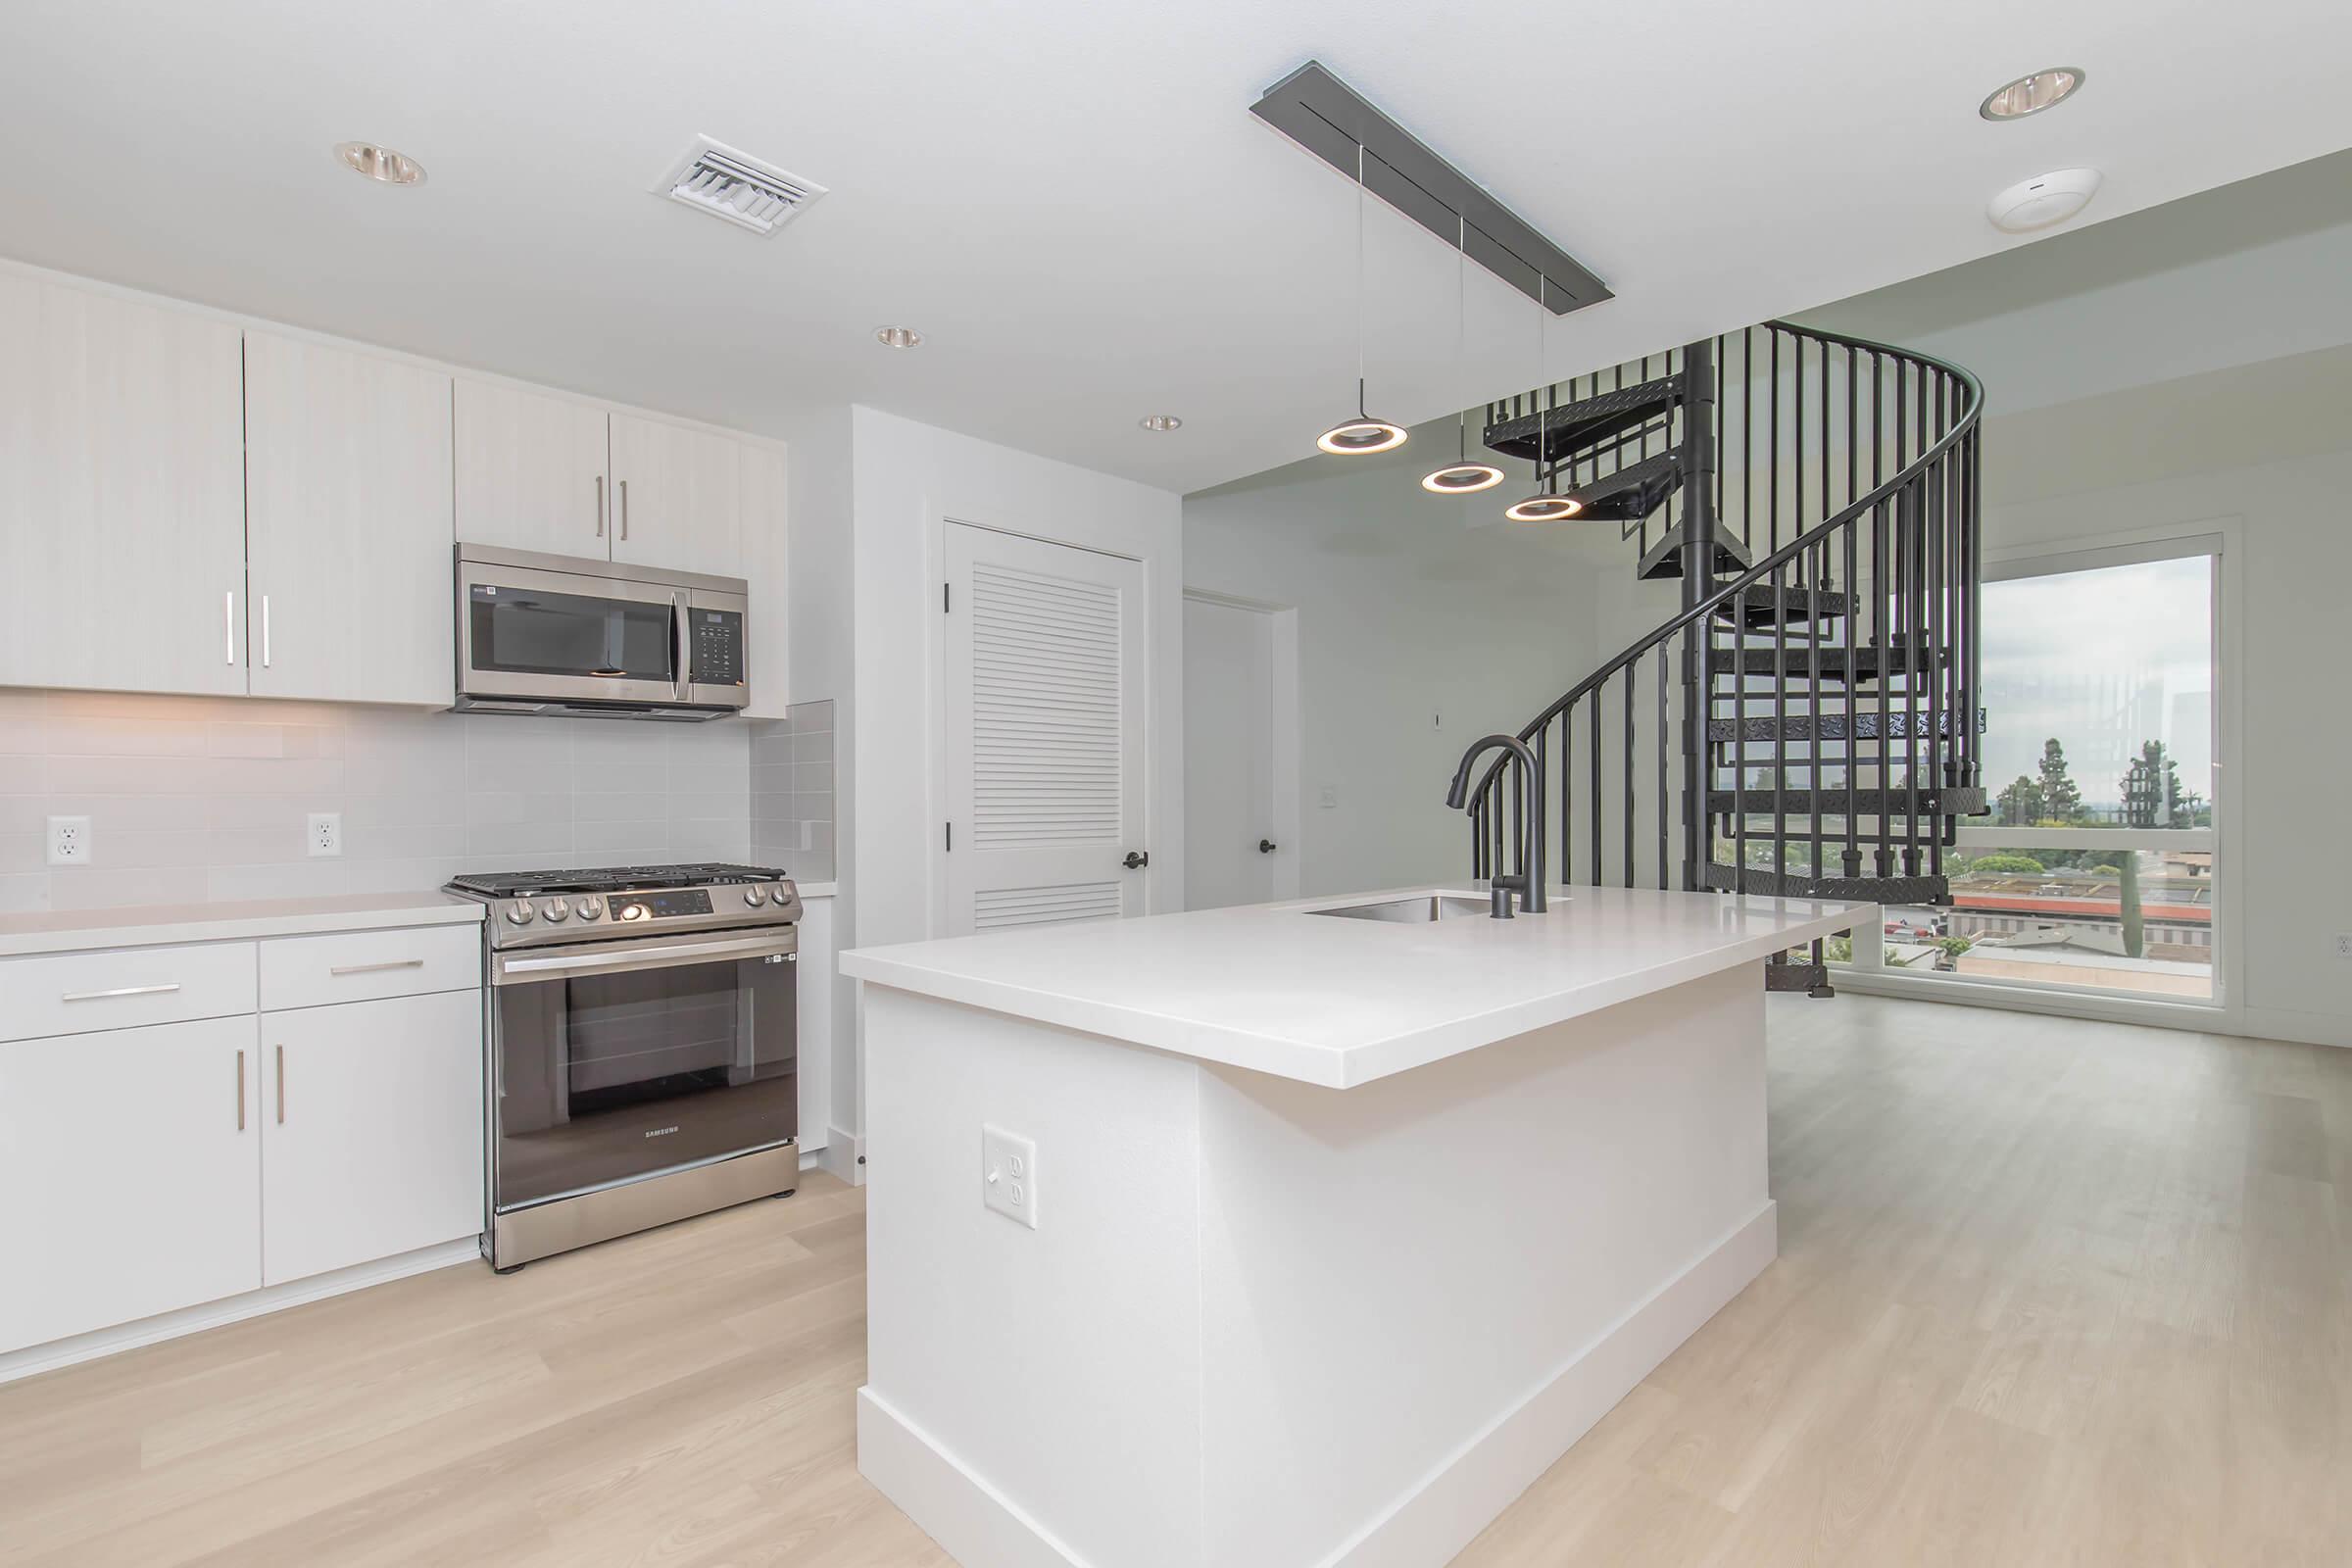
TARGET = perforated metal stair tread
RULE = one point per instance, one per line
(1576, 427)
(1936, 800)
(1802, 664)
(1760, 607)
(1835, 725)
(1764, 882)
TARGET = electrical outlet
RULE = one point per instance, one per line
(324, 834)
(1331, 796)
(70, 841)
(1009, 1175)
(2343, 944)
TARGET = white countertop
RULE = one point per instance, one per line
(158, 925)
(1340, 1001)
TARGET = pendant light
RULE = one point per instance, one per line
(1461, 476)
(1363, 433)
(1546, 504)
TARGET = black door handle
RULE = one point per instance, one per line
(1134, 859)
(1265, 846)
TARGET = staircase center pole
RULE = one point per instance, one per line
(1698, 580)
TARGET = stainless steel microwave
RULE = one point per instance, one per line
(556, 634)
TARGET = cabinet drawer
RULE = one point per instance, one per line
(76, 992)
(365, 965)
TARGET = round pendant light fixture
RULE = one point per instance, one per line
(2030, 95)
(1363, 433)
(1461, 476)
(1546, 504)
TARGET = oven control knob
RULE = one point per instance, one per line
(556, 909)
(634, 911)
(519, 912)
(754, 897)
(590, 908)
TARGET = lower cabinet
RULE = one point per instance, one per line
(144, 1170)
(130, 1167)
(372, 1138)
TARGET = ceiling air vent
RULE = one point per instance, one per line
(713, 177)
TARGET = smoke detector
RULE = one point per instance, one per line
(728, 182)
(2043, 200)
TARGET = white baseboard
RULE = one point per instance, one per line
(1432, 1521)
(38, 1359)
(843, 1156)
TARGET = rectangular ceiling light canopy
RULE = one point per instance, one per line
(1332, 119)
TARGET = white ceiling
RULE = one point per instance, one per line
(1070, 198)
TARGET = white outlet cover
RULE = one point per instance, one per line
(1008, 1174)
(323, 833)
(1331, 796)
(70, 842)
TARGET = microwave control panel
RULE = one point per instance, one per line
(715, 646)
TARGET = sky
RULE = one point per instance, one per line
(2104, 660)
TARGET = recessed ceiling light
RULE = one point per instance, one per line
(896, 337)
(2043, 200)
(381, 163)
(1160, 421)
(2030, 95)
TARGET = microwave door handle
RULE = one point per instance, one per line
(677, 627)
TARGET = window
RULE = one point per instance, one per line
(2095, 869)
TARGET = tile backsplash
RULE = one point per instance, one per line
(792, 791)
(201, 800)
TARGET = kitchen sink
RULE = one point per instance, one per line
(1420, 909)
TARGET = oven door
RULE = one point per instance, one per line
(567, 637)
(616, 1061)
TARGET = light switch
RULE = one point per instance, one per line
(1008, 1174)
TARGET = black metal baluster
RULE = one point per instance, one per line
(1632, 671)
(1780, 730)
(1599, 695)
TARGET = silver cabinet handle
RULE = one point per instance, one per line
(240, 1091)
(376, 968)
(624, 509)
(228, 625)
(264, 631)
(599, 506)
(119, 990)
(281, 1086)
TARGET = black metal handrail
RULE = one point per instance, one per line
(1921, 528)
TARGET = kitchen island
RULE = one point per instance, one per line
(1274, 1237)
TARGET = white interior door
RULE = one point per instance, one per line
(1231, 848)
(1045, 745)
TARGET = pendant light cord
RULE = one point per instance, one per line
(1461, 261)
(1543, 409)
(1360, 412)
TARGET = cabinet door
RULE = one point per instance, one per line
(678, 498)
(531, 472)
(122, 494)
(348, 525)
(767, 565)
(372, 1138)
(130, 1169)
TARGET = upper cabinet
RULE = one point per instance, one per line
(122, 494)
(348, 525)
(532, 472)
(677, 497)
(567, 478)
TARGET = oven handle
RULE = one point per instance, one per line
(521, 969)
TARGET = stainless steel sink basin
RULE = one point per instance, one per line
(1419, 909)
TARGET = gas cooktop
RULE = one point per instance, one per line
(610, 879)
(598, 904)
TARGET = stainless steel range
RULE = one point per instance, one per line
(643, 1064)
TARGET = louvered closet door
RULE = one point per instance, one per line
(1045, 684)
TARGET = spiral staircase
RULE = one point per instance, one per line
(1806, 724)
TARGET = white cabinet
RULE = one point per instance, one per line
(129, 1175)
(348, 525)
(373, 1141)
(532, 472)
(122, 494)
(677, 498)
(766, 562)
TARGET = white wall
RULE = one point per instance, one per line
(2266, 444)
(1412, 609)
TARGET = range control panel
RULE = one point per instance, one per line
(716, 647)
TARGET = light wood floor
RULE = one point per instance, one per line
(2048, 1292)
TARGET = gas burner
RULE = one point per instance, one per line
(610, 879)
